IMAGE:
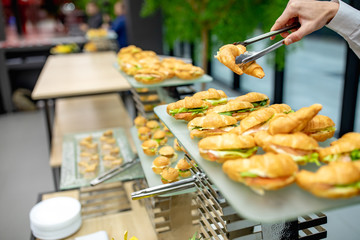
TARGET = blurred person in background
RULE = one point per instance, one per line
(118, 25)
(94, 17)
(313, 15)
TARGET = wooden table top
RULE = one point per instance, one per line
(79, 74)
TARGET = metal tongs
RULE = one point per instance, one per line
(115, 171)
(168, 188)
(251, 56)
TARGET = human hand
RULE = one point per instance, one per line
(312, 15)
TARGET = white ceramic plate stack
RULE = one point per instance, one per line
(55, 218)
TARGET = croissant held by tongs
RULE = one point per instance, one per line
(240, 61)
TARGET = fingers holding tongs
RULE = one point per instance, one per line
(251, 56)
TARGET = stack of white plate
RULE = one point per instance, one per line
(55, 218)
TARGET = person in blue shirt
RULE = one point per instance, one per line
(119, 24)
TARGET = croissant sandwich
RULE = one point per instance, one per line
(211, 124)
(227, 146)
(299, 146)
(294, 122)
(354, 136)
(256, 99)
(336, 180)
(255, 121)
(227, 54)
(262, 172)
(148, 76)
(346, 149)
(236, 109)
(213, 96)
(320, 128)
(188, 108)
(281, 108)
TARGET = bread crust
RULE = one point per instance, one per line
(170, 174)
(322, 182)
(232, 106)
(211, 93)
(161, 161)
(294, 122)
(253, 97)
(317, 123)
(140, 121)
(351, 136)
(322, 136)
(278, 167)
(255, 118)
(227, 54)
(281, 108)
(262, 138)
(148, 145)
(226, 141)
(212, 120)
(296, 140)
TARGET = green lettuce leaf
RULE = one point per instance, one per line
(331, 158)
(217, 101)
(147, 77)
(291, 111)
(311, 158)
(243, 153)
(229, 113)
(192, 110)
(248, 174)
(352, 185)
(260, 103)
(355, 154)
(183, 171)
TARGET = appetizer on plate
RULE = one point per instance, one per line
(227, 146)
(320, 128)
(213, 96)
(262, 172)
(150, 147)
(336, 180)
(169, 175)
(159, 164)
(160, 137)
(294, 122)
(188, 108)
(237, 109)
(168, 151)
(144, 133)
(227, 54)
(140, 121)
(184, 168)
(211, 124)
(153, 125)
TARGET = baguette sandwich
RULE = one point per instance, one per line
(227, 146)
(262, 172)
(211, 124)
(188, 108)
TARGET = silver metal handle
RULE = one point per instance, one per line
(113, 172)
(267, 35)
(252, 57)
(169, 188)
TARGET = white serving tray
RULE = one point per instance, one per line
(166, 83)
(284, 204)
(152, 178)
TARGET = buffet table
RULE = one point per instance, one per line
(75, 75)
